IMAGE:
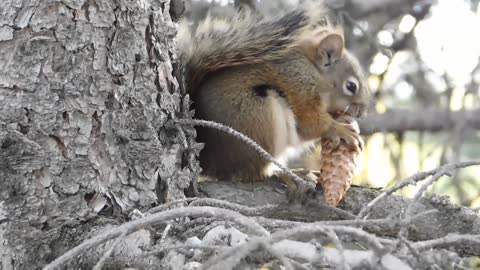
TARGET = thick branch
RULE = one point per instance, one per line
(418, 120)
(444, 216)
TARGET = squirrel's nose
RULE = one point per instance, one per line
(358, 110)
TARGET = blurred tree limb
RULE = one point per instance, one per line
(419, 120)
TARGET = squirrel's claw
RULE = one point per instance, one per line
(345, 132)
(297, 192)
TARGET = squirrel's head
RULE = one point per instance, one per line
(350, 93)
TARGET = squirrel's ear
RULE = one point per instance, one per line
(330, 50)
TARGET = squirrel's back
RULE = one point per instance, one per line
(246, 38)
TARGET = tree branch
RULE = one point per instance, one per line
(132, 226)
(418, 120)
(436, 211)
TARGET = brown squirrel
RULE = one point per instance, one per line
(279, 81)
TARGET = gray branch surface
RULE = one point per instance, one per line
(446, 219)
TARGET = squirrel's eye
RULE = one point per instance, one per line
(350, 86)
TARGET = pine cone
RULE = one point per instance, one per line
(338, 166)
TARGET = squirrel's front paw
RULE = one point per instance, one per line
(297, 192)
(345, 132)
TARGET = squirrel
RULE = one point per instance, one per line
(279, 81)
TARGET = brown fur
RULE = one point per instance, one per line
(276, 81)
(249, 39)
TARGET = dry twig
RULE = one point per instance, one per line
(132, 226)
(411, 181)
(242, 209)
(109, 251)
(298, 180)
(449, 240)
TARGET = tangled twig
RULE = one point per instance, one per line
(134, 225)
(445, 169)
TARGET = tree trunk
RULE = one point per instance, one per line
(87, 104)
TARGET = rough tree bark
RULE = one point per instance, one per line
(87, 99)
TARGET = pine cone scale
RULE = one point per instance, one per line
(337, 169)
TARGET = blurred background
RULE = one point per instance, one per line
(423, 64)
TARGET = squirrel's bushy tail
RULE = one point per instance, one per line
(247, 39)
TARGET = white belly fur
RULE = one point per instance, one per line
(287, 142)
